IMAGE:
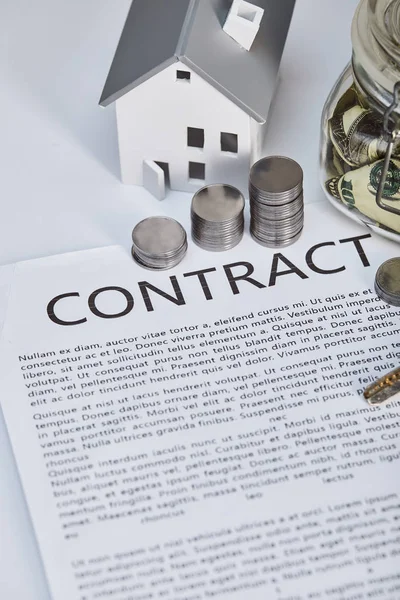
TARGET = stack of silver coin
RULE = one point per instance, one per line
(387, 282)
(159, 243)
(276, 201)
(217, 217)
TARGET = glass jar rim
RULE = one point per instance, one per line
(376, 66)
(385, 26)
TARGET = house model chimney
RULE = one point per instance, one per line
(243, 22)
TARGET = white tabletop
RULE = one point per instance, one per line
(59, 183)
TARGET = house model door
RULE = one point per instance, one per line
(156, 178)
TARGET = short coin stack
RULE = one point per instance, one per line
(217, 217)
(159, 243)
(276, 201)
(387, 282)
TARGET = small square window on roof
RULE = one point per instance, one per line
(229, 142)
(243, 22)
(247, 11)
(183, 76)
(197, 170)
(195, 137)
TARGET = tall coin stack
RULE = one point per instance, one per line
(217, 217)
(159, 243)
(276, 201)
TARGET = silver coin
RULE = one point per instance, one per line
(144, 265)
(158, 265)
(387, 282)
(159, 243)
(277, 176)
(218, 246)
(218, 203)
(271, 225)
(158, 236)
(217, 215)
(275, 221)
(279, 243)
(284, 210)
(213, 231)
(276, 236)
(276, 201)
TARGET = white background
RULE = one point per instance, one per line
(59, 186)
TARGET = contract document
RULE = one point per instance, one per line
(201, 432)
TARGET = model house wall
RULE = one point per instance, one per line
(192, 81)
(193, 131)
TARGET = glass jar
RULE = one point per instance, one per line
(360, 145)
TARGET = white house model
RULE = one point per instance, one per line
(193, 81)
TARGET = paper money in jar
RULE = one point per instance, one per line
(358, 189)
(356, 148)
(357, 136)
(357, 133)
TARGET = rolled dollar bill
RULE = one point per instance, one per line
(358, 136)
(358, 188)
(338, 163)
(350, 98)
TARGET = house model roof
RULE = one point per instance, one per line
(158, 33)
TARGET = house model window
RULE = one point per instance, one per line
(195, 137)
(243, 22)
(197, 170)
(229, 142)
(183, 76)
(247, 11)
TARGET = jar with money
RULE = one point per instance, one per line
(360, 148)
